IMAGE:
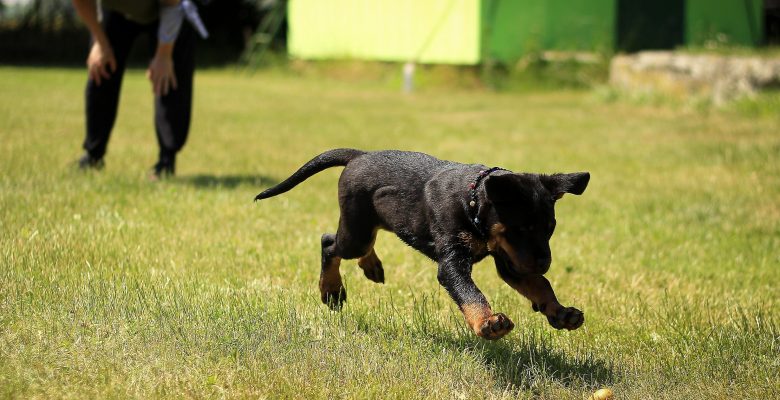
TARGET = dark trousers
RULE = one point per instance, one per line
(171, 112)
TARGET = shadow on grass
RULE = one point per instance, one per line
(533, 358)
(557, 364)
(526, 359)
(207, 181)
(529, 359)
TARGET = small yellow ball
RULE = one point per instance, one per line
(602, 394)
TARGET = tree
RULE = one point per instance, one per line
(49, 15)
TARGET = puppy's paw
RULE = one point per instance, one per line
(372, 267)
(334, 299)
(495, 327)
(376, 275)
(568, 318)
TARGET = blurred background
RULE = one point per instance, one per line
(49, 31)
(489, 33)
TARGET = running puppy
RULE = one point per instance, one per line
(456, 214)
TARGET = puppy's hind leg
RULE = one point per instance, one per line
(347, 244)
(354, 239)
(332, 290)
(372, 267)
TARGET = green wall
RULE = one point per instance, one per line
(740, 22)
(580, 24)
(512, 28)
(473, 31)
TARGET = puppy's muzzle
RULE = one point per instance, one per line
(525, 264)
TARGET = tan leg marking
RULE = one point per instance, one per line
(484, 323)
(538, 289)
(331, 286)
(372, 267)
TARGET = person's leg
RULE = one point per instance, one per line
(102, 100)
(172, 111)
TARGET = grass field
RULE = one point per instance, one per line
(112, 286)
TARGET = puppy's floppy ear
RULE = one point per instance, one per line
(505, 188)
(558, 184)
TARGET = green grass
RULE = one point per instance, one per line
(112, 286)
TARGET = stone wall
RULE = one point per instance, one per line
(719, 77)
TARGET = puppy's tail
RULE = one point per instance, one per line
(328, 159)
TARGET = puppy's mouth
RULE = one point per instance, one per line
(521, 261)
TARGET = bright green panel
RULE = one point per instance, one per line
(512, 28)
(737, 21)
(580, 24)
(431, 31)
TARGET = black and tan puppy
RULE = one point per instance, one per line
(456, 214)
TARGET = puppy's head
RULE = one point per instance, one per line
(524, 206)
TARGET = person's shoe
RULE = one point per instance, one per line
(162, 170)
(87, 162)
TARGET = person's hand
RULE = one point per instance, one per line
(101, 63)
(161, 74)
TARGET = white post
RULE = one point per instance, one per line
(408, 73)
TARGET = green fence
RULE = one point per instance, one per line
(472, 31)
(736, 22)
(513, 28)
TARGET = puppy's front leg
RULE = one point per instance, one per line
(455, 275)
(538, 289)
